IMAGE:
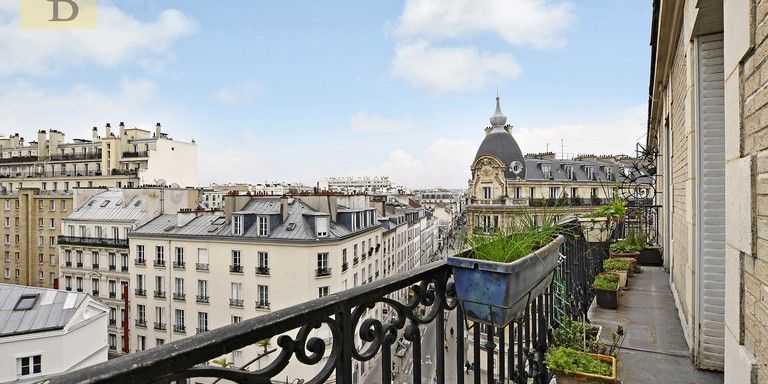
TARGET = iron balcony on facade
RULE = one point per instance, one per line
(201, 330)
(179, 328)
(141, 323)
(235, 302)
(68, 264)
(124, 268)
(159, 326)
(80, 265)
(19, 159)
(112, 267)
(140, 261)
(93, 242)
(179, 296)
(135, 154)
(112, 295)
(159, 263)
(95, 293)
(236, 268)
(262, 305)
(322, 272)
(201, 298)
(112, 322)
(344, 266)
(140, 292)
(201, 266)
(355, 260)
(179, 264)
(79, 289)
(160, 294)
(68, 288)
(95, 266)
(262, 270)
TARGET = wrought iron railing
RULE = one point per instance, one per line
(641, 220)
(516, 352)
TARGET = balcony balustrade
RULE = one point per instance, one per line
(236, 268)
(201, 298)
(159, 326)
(519, 348)
(201, 266)
(135, 154)
(262, 270)
(235, 302)
(140, 292)
(322, 272)
(159, 263)
(93, 242)
(160, 294)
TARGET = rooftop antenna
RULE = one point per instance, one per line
(547, 148)
(562, 149)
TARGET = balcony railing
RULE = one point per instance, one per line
(519, 348)
(112, 295)
(112, 267)
(262, 270)
(141, 292)
(159, 326)
(141, 323)
(67, 263)
(262, 305)
(93, 242)
(322, 272)
(236, 268)
(159, 263)
(179, 328)
(160, 294)
(75, 156)
(179, 264)
(235, 302)
(201, 266)
(124, 268)
(140, 262)
(135, 154)
(201, 298)
(179, 296)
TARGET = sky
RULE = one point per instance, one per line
(304, 90)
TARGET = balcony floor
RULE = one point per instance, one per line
(654, 350)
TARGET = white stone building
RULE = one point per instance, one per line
(197, 271)
(46, 332)
(93, 245)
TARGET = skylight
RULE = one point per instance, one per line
(26, 302)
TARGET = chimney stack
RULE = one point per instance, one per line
(158, 132)
(95, 134)
(122, 129)
(108, 130)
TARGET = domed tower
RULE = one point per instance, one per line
(499, 145)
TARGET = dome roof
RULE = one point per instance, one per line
(501, 145)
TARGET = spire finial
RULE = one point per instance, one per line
(498, 119)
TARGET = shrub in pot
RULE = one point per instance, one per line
(621, 267)
(596, 225)
(606, 287)
(501, 272)
(572, 366)
(629, 246)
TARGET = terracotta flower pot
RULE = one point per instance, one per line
(581, 378)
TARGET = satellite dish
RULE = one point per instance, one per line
(174, 185)
(160, 182)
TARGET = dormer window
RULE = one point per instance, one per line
(609, 173)
(263, 225)
(568, 171)
(590, 171)
(321, 226)
(237, 225)
(546, 170)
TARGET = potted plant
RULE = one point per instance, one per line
(628, 247)
(595, 225)
(606, 287)
(572, 366)
(502, 271)
(649, 254)
(620, 267)
(578, 335)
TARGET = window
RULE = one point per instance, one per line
(115, 233)
(112, 288)
(568, 171)
(202, 321)
(30, 365)
(263, 291)
(67, 281)
(178, 286)
(590, 171)
(140, 282)
(237, 224)
(554, 192)
(159, 284)
(609, 173)
(179, 257)
(487, 193)
(202, 256)
(532, 192)
(141, 343)
(323, 291)
(140, 253)
(95, 286)
(322, 262)
(71, 230)
(546, 171)
(321, 226)
(263, 225)
(237, 291)
(52, 205)
(160, 254)
(159, 315)
(7, 222)
(202, 288)
(594, 192)
(236, 319)
(574, 192)
(141, 313)
(52, 223)
(95, 259)
(518, 192)
(64, 202)
(236, 258)
(179, 319)
(78, 282)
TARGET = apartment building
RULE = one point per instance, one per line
(44, 332)
(707, 102)
(37, 180)
(213, 195)
(362, 184)
(446, 205)
(199, 270)
(505, 183)
(93, 245)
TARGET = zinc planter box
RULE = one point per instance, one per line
(608, 298)
(595, 229)
(651, 255)
(581, 378)
(495, 293)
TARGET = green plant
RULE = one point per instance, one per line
(617, 265)
(625, 246)
(516, 241)
(568, 360)
(577, 335)
(615, 209)
(606, 282)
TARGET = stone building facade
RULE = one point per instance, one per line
(707, 119)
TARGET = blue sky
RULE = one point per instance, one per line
(303, 90)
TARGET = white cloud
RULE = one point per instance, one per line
(119, 39)
(440, 71)
(363, 121)
(445, 162)
(236, 94)
(539, 23)
(609, 135)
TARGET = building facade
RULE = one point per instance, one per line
(37, 180)
(34, 343)
(93, 245)
(505, 183)
(705, 120)
(199, 270)
(364, 184)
